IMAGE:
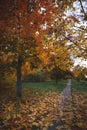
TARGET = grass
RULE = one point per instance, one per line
(46, 86)
(9, 91)
(80, 86)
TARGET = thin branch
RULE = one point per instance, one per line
(75, 42)
(80, 28)
(82, 7)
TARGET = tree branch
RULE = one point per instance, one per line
(82, 7)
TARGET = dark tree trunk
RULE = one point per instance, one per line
(19, 82)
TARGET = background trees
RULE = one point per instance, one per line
(40, 32)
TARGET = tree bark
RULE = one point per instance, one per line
(19, 75)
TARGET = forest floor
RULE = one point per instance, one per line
(73, 110)
(45, 110)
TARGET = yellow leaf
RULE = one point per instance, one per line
(35, 123)
(79, 124)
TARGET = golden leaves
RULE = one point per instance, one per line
(41, 109)
(74, 19)
(38, 111)
(80, 107)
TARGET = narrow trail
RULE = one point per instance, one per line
(64, 102)
(66, 94)
(67, 90)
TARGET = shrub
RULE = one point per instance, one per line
(36, 77)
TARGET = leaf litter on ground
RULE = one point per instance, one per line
(41, 109)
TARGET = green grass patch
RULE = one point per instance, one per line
(80, 86)
(46, 86)
(30, 90)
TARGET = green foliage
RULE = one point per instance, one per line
(34, 77)
(57, 74)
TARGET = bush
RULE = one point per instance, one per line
(37, 77)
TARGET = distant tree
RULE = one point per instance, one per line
(57, 74)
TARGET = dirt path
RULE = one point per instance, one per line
(64, 103)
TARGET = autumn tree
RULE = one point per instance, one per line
(17, 44)
(80, 72)
(25, 24)
(69, 31)
(57, 74)
(77, 35)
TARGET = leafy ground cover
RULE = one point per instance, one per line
(38, 109)
(42, 109)
(36, 113)
(79, 104)
(8, 91)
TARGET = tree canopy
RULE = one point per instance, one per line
(43, 33)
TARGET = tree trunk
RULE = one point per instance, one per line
(19, 82)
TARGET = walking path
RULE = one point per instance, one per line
(64, 101)
(66, 93)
